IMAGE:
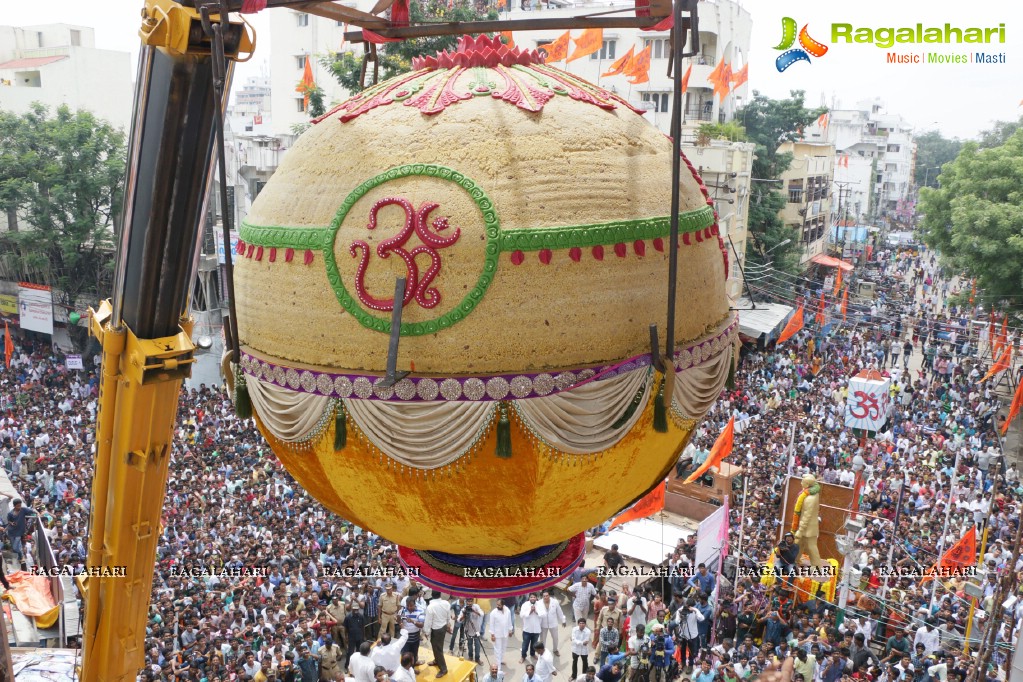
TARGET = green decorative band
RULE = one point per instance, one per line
(603, 234)
(526, 239)
(492, 229)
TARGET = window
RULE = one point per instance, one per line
(607, 50)
(795, 195)
(660, 48)
(300, 101)
(893, 148)
(659, 99)
(300, 61)
(302, 18)
(76, 38)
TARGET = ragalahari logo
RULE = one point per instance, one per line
(809, 46)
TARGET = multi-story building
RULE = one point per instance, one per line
(807, 186)
(60, 64)
(875, 163)
(253, 97)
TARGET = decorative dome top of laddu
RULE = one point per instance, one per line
(480, 67)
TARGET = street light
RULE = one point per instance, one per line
(776, 246)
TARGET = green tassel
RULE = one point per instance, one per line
(340, 428)
(660, 411)
(629, 411)
(730, 383)
(242, 401)
(504, 444)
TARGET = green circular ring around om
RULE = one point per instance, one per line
(492, 230)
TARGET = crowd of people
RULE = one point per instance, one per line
(932, 474)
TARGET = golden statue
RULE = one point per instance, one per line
(805, 524)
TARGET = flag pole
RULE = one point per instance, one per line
(742, 519)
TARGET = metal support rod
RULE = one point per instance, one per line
(219, 62)
(678, 51)
(393, 376)
(655, 349)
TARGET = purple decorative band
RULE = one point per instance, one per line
(475, 388)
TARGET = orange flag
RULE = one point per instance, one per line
(845, 302)
(1017, 403)
(838, 282)
(589, 42)
(648, 505)
(1003, 336)
(973, 291)
(724, 84)
(722, 448)
(960, 555)
(8, 345)
(685, 79)
(307, 83)
(991, 332)
(638, 70)
(740, 76)
(558, 50)
(820, 310)
(1001, 364)
(794, 325)
(621, 64)
(509, 41)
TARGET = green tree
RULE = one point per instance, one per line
(732, 131)
(975, 219)
(769, 122)
(396, 58)
(933, 150)
(999, 133)
(65, 180)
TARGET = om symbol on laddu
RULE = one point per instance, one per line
(416, 287)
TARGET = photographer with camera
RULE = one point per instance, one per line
(638, 650)
(688, 619)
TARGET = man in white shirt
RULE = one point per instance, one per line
(532, 611)
(553, 617)
(583, 593)
(360, 665)
(927, 634)
(581, 637)
(544, 663)
(500, 630)
(405, 671)
(438, 624)
(388, 652)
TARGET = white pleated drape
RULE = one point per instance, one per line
(289, 415)
(581, 421)
(422, 435)
(698, 388)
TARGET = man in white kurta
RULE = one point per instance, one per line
(500, 627)
(552, 618)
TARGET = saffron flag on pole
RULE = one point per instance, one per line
(306, 85)
(558, 50)
(838, 282)
(820, 310)
(739, 77)
(8, 345)
(959, 555)
(793, 327)
(722, 448)
(685, 79)
(724, 84)
(1017, 403)
(509, 41)
(589, 42)
(648, 505)
(845, 302)
(1001, 364)
(638, 70)
(621, 64)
